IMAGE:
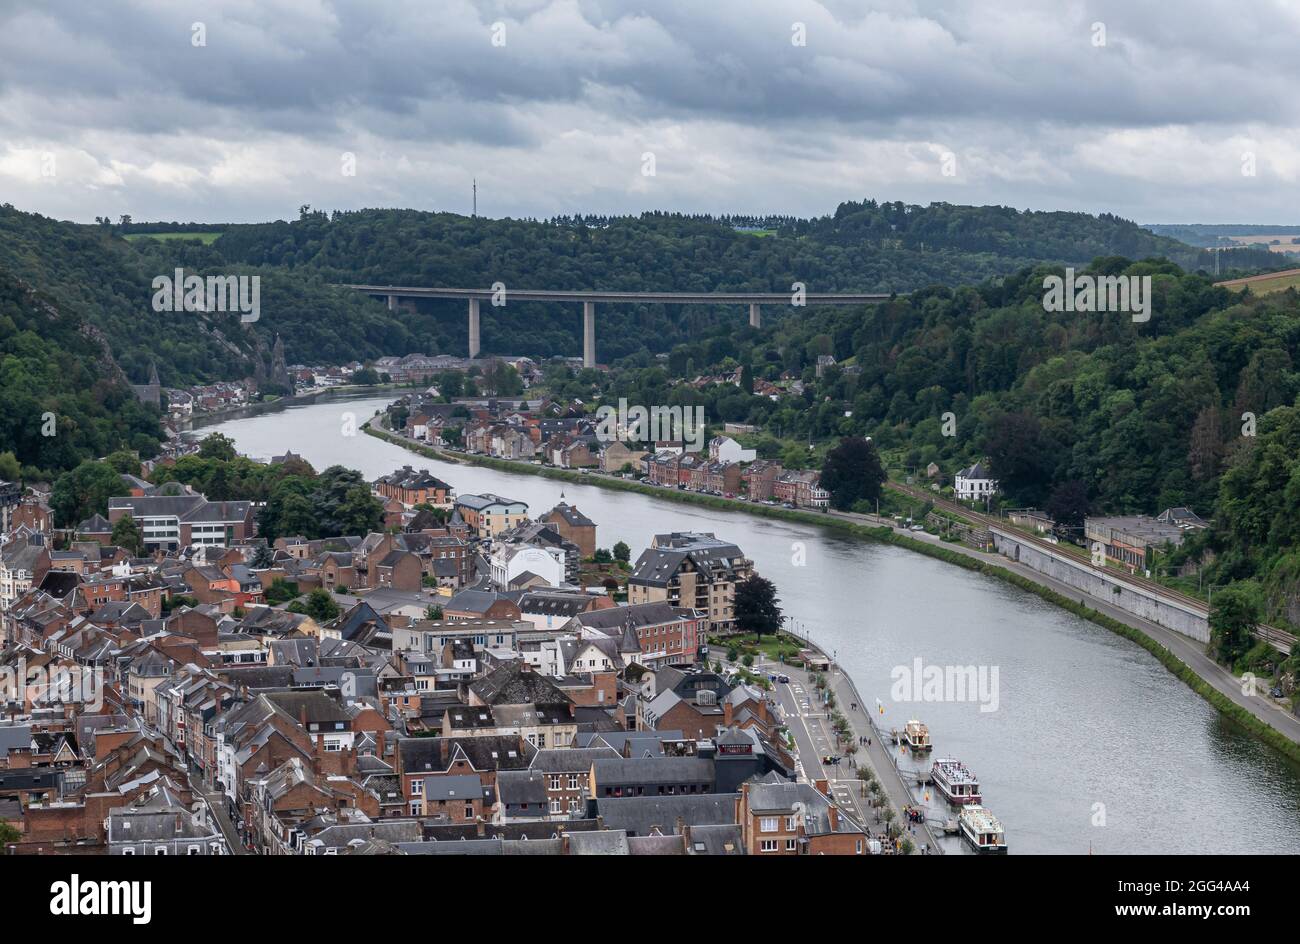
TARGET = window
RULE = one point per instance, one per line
(767, 824)
(791, 845)
(417, 788)
(789, 824)
(159, 850)
(192, 850)
(555, 781)
(767, 845)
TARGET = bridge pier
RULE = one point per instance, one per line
(473, 328)
(392, 303)
(755, 315)
(588, 334)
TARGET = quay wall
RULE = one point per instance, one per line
(1105, 585)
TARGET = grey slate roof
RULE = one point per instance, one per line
(643, 816)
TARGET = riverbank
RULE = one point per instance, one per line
(210, 417)
(1250, 718)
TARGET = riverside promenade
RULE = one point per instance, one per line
(808, 719)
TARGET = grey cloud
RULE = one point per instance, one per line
(557, 118)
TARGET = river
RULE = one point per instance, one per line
(1093, 745)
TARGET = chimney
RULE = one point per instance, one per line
(726, 712)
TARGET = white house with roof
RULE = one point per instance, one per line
(975, 483)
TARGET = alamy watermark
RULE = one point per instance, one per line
(1130, 294)
(946, 683)
(76, 896)
(637, 423)
(241, 293)
(59, 684)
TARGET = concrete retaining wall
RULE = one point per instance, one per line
(1103, 585)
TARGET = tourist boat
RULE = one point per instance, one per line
(917, 737)
(982, 830)
(955, 781)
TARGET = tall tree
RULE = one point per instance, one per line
(852, 472)
(757, 607)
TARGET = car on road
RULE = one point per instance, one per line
(783, 679)
(918, 527)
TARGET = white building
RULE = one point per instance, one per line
(509, 561)
(726, 449)
(975, 483)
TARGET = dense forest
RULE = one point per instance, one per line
(64, 398)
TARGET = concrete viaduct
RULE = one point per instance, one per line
(755, 301)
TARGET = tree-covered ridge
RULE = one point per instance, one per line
(95, 275)
(864, 247)
(64, 398)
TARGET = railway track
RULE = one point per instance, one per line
(1278, 637)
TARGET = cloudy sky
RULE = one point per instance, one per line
(244, 109)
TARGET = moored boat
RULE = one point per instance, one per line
(982, 830)
(917, 737)
(955, 781)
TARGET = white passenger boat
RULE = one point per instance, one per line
(955, 781)
(982, 830)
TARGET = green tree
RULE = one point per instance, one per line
(757, 607)
(84, 491)
(852, 472)
(1068, 506)
(1234, 614)
(280, 591)
(320, 606)
(123, 462)
(10, 467)
(127, 534)
(217, 446)
(622, 552)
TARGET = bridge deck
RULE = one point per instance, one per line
(669, 298)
